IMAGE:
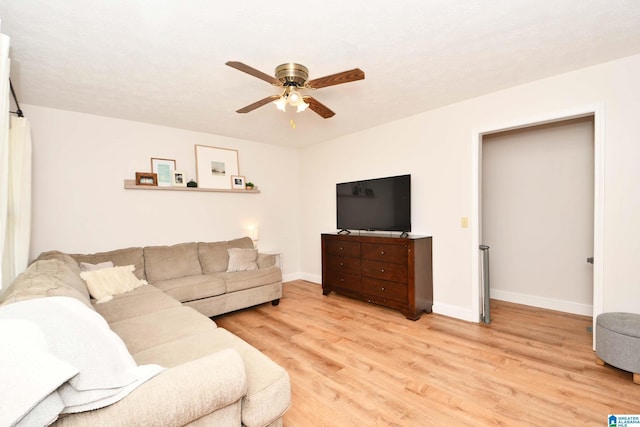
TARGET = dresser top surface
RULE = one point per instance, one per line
(368, 235)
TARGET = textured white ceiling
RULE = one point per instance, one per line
(162, 61)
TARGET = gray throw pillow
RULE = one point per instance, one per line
(242, 259)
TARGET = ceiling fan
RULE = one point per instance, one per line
(294, 78)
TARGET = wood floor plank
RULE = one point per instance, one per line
(357, 364)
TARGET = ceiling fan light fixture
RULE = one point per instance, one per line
(295, 97)
(302, 106)
(281, 103)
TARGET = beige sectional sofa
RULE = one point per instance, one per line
(212, 377)
(196, 273)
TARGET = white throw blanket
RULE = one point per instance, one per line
(30, 375)
(59, 356)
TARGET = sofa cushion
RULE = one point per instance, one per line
(24, 289)
(170, 262)
(268, 385)
(242, 259)
(119, 257)
(214, 256)
(140, 301)
(179, 396)
(104, 283)
(266, 260)
(45, 278)
(240, 280)
(61, 270)
(61, 256)
(160, 327)
(191, 288)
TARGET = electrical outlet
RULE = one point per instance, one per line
(464, 222)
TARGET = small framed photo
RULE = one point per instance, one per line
(178, 179)
(163, 168)
(146, 178)
(237, 182)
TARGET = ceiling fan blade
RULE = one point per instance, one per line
(318, 108)
(252, 71)
(258, 104)
(338, 78)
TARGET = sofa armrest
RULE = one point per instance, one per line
(266, 260)
(176, 396)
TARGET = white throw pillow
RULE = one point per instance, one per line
(85, 266)
(242, 259)
(106, 282)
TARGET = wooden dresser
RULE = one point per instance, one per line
(392, 271)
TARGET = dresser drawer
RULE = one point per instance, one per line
(342, 248)
(388, 290)
(385, 271)
(343, 265)
(396, 254)
(340, 280)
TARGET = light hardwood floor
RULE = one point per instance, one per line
(356, 364)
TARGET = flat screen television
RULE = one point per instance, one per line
(375, 204)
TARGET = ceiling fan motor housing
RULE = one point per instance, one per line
(292, 74)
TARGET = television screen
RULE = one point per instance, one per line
(375, 204)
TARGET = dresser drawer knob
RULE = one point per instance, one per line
(382, 288)
(381, 252)
(341, 248)
(342, 280)
(382, 270)
(342, 264)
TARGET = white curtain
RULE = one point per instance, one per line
(18, 228)
(4, 145)
(15, 182)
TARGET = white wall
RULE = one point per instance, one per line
(79, 204)
(436, 148)
(81, 160)
(538, 214)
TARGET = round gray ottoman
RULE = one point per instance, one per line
(618, 341)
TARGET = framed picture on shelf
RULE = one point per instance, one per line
(178, 179)
(237, 182)
(146, 178)
(215, 166)
(163, 168)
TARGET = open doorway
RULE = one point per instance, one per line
(537, 214)
(595, 111)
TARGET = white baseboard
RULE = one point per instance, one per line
(291, 277)
(466, 314)
(302, 276)
(542, 302)
(311, 278)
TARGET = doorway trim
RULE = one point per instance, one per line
(595, 110)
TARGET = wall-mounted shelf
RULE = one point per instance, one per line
(130, 184)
